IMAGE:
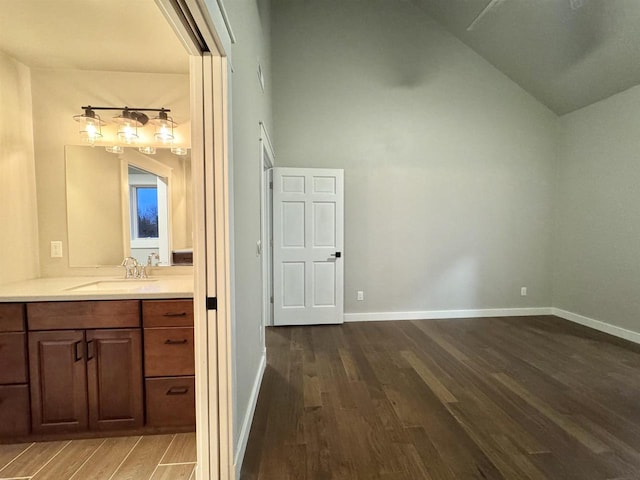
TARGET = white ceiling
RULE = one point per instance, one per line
(566, 53)
(111, 35)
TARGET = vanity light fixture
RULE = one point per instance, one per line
(179, 150)
(164, 127)
(90, 125)
(114, 149)
(148, 150)
(128, 121)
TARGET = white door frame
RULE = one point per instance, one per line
(209, 149)
(267, 160)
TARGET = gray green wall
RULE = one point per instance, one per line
(597, 234)
(249, 107)
(449, 165)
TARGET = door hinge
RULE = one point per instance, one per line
(271, 298)
(212, 303)
(271, 185)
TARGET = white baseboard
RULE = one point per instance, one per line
(597, 325)
(248, 417)
(437, 314)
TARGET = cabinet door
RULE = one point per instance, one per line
(58, 380)
(114, 371)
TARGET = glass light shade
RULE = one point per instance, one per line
(90, 126)
(129, 122)
(128, 133)
(164, 127)
(148, 150)
(179, 150)
(114, 149)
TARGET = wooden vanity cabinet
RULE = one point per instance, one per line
(15, 417)
(90, 378)
(169, 362)
(76, 367)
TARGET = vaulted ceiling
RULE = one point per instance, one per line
(566, 53)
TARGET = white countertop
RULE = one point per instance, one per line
(97, 288)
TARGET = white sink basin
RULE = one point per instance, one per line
(114, 285)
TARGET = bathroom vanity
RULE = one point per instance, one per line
(94, 356)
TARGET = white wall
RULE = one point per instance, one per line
(597, 234)
(18, 211)
(448, 164)
(250, 106)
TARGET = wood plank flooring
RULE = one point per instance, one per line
(153, 457)
(529, 398)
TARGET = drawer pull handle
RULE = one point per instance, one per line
(90, 350)
(177, 390)
(77, 354)
(177, 314)
(176, 342)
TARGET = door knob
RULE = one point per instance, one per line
(337, 254)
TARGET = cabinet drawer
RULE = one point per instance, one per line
(171, 402)
(11, 317)
(88, 314)
(167, 313)
(13, 358)
(15, 417)
(168, 352)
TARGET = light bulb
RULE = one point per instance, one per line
(128, 133)
(164, 134)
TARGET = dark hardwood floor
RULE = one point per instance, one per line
(495, 398)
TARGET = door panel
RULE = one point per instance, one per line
(114, 372)
(58, 381)
(308, 231)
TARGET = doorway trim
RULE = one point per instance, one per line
(267, 161)
(194, 22)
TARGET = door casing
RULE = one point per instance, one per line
(208, 68)
(267, 160)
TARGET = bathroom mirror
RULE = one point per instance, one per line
(127, 204)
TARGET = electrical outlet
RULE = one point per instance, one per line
(360, 295)
(56, 249)
(523, 292)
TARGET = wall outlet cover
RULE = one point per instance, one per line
(56, 249)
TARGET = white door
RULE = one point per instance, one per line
(308, 240)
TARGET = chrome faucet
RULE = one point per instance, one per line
(130, 265)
